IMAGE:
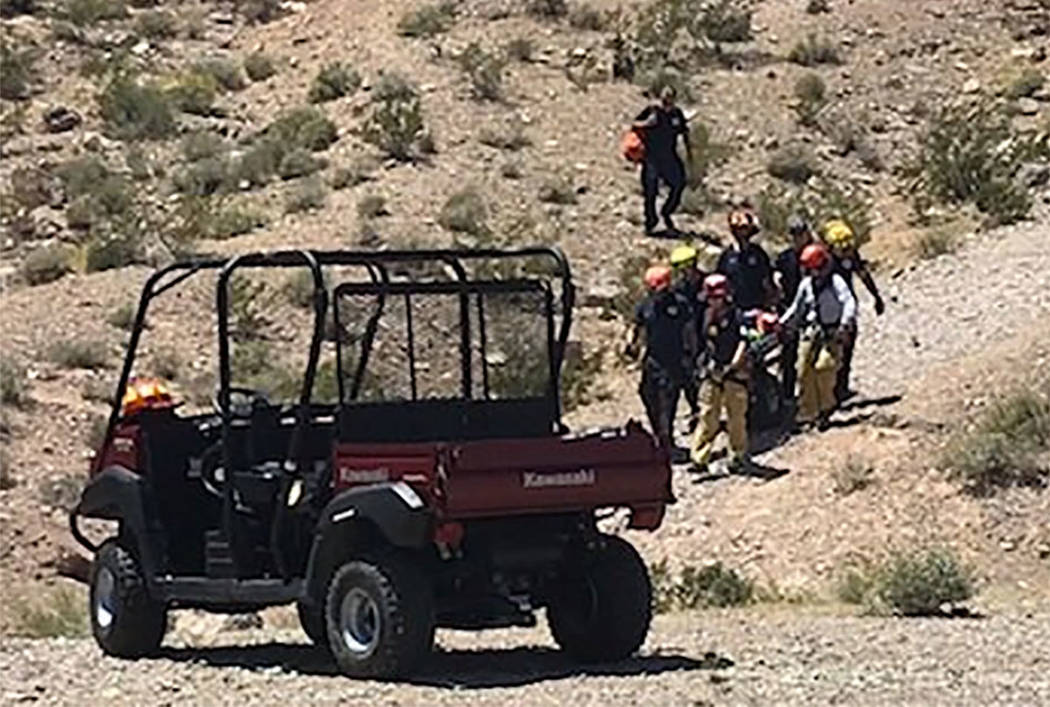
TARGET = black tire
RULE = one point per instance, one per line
(311, 618)
(603, 606)
(125, 621)
(379, 617)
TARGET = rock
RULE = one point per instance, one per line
(971, 86)
(140, 48)
(601, 295)
(1043, 550)
(1032, 54)
(242, 622)
(1007, 545)
(61, 119)
(1034, 174)
(1028, 106)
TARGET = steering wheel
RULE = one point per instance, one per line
(242, 401)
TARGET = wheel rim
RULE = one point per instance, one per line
(105, 599)
(359, 622)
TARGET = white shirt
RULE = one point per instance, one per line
(834, 305)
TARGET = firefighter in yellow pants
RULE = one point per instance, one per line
(724, 384)
(825, 310)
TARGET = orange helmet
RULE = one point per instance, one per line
(814, 256)
(716, 285)
(743, 219)
(146, 394)
(767, 322)
(658, 277)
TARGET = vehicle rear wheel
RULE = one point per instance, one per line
(603, 606)
(379, 617)
(311, 618)
(125, 621)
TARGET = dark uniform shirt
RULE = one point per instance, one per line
(721, 337)
(749, 272)
(665, 316)
(790, 273)
(661, 139)
(847, 265)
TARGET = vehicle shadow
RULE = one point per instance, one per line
(483, 668)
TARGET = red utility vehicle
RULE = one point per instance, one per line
(439, 489)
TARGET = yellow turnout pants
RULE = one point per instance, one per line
(714, 397)
(818, 365)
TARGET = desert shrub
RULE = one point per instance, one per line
(818, 202)
(19, 70)
(306, 195)
(113, 249)
(299, 163)
(60, 613)
(30, 187)
(1026, 84)
(205, 177)
(259, 162)
(122, 316)
(810, 98)
(194, 92)
(155, 24)
(713, 585)
(814, 50)
(520, 49)
(511, 170)
(299, 289)
(485, 70)
(247, 319)
(509, 135)
(201, 145)
(356, 172)
(133, 111)
(1006, 447)
(855, 474)
(662, 22)
(557, 190)
(12, 383)
(46, 264)
(586, 17)
(579, 375)
(306, 127)
(793, 163)
(88, 12)
(914, 583)
(724, 21)
(80, 353)
(816, 7)
(548, 9)
(935, 242)
(138, 162)
(333, 81)
(166, 363)
(971, 153)
(259, 66)
(372, 206)
(654, 81)
(707, 153)
(226, 73)
(465, 212)
(395, 124)
(428, 20)
(259, 11)
(231, 221)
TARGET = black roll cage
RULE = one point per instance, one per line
(377, 264)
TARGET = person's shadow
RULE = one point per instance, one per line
(451, 668)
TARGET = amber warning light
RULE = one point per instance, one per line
(146, 394)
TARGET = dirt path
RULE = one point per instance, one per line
(750, 657)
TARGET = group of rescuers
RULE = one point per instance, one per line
(697, 327)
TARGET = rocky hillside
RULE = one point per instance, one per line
(136, 133)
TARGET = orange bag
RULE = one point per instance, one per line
(632, 147)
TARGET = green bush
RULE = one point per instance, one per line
(132, 111)
(205, 177)
(511, 170)
(12, 383)
(372, 206)
(914, 583)
(88, 12)
(61, 613)
(194, 92)
(259, 66)
(972, 153)
(793, 163)
(395, 124)
(557, 190)
(587, 18)
(485, 71)
(202, 145)
(308, 194)
(333, 81)
(46, 264)
(854, 475)
(226, 73)
(1007, 447)
(306, 127)
(113, 249)
(30, 187)
(509, 135)
(299, 163)
(428, 20)
(710, 586)
(725, 22)
(260, 162)
(156, 24)
(814, 50)
(465, 212)
(79, 353)
(819, 201)
(19, 70)
(123, 317)
(548, 9)
(234, 221)
(520, 49)
(1026, 84)
(357, 172)
(810, 98)
(935, 242)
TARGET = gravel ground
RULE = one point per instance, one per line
(755, 656)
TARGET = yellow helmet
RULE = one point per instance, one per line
(683, 256)
(838, 234)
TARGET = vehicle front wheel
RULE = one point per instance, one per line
(125, 621)
(379, 616)
(603, 605)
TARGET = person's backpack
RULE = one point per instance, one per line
(632, 146)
